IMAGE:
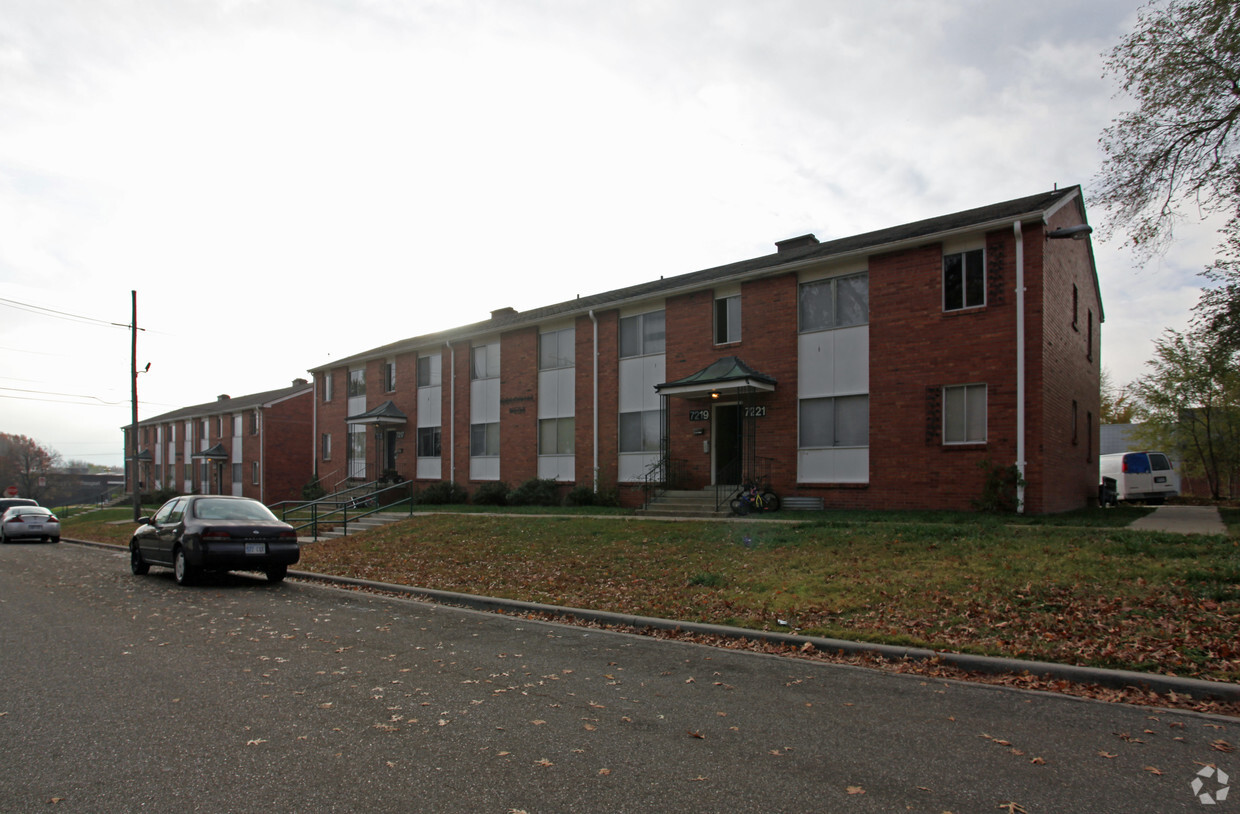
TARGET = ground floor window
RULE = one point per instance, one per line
(429, 442)
(557, 436)
(640, 431)
(964, 414)
(835, 421)
(484, 440)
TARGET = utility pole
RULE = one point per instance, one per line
(133, 433)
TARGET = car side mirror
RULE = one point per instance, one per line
(144, 521)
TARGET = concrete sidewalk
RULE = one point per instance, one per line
(1182, 520)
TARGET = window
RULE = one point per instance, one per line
(254, 473)
(555, 349)
(1089, 336)
(429, 440)
(838, 421)
(964, 280)
(728, 319)
(236, 422)
(357, 383)
(254, 422)
(429, 371)
(1076, 303)
(484, 440)
(964, 414)
(486, 362)
(327, 446)
(556, 436)
(327, 386)
(839, 302)
(236, 473)
(642, 335)
(640, 431)
(389, 376)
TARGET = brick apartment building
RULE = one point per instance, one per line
(255, 446)
(883, 370)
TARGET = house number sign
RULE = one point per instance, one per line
(699, 415)
(755, 412)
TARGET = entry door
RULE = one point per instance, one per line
(389, 451)
(727, 451)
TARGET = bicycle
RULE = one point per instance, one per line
(753, 499)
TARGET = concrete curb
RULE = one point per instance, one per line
(991, 665)
(1116, 679)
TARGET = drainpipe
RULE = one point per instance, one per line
(314, 429)
(1020, 367)
(452, 414)
(594, 320)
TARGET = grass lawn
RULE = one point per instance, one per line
(1075, 589)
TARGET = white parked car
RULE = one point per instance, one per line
(29, 523)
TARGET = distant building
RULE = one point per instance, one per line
(884, 370)
(255, 446)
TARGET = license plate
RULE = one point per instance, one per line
(1160, 479)
(35, 526)
(255, 548)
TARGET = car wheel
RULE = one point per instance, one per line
(182, 571)
(277, 573)
(55, 539)
(137, 565)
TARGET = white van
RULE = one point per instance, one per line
(1145, 476)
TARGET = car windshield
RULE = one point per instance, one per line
(224, 509)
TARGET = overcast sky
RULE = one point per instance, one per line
(288, 182)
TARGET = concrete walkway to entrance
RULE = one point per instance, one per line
(1182, 520)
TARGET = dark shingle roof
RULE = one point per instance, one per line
(797, 250)
(227, 405)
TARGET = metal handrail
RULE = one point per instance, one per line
(345, 503)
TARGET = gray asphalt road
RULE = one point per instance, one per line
(122, 693)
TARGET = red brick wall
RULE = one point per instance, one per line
(1064, 466)
(518, 406)
(287, 439)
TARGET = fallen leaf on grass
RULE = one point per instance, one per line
(1107, 755)
(693, 734)
(1222, 746)
(604, 772)
(1012, 808)
(543, 762)
(255, 742)
(1153, 770)
(855, 790)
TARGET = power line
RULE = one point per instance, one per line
(66, 395)
(39, 309)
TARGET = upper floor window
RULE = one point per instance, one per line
(254, 422)
(643, 335)
(964, 280)
(430, 371)
(555, 349)
(728, 319)
(389, 376)
(357, 382)
(838, 302)
(486, 362)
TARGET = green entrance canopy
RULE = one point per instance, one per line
(727, 375)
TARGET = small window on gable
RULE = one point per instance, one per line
(728, 319)
(964, 280)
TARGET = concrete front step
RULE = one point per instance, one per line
(372, 521)
(687, 503)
